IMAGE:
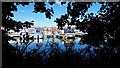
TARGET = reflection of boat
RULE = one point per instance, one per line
(69, 34)
(69, 40)
(69, 37)
(38, 36)
(38, 40)
(69, 46)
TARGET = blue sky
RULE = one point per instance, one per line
(26, 13)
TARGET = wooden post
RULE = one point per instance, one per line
(38, 38)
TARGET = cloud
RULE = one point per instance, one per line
(22, 10)
(59, 2)
(33, 19)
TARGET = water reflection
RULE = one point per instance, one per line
(48, 46)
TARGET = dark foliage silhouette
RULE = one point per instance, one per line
(103, 35)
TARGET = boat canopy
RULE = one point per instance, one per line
(69, 30)
(38, 31)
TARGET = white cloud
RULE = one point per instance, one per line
(22, 10)
(32, 19)
(58, 2)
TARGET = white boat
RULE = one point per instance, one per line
(61, 31)
(10, 32)
(14, 34)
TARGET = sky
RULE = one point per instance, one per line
(25, 13)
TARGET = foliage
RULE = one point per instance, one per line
(7, 21)
(103, 28)
(8, 7)
(103, 34)
(41, 7)
(74, 11)
(61, 21)
(27, 24)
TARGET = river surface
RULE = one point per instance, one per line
(48, 45)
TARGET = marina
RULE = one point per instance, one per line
(42, 38)
(47, 33)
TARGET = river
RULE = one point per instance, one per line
(48, 45)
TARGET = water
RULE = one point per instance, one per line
(45, 47)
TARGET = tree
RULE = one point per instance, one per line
(74, 11)
(110, 16)
(7, 22)
(27, 24)
(61, 21)
(7, 7)
(104, 28)
(41, 7)
(95, 29)
(6, 14)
